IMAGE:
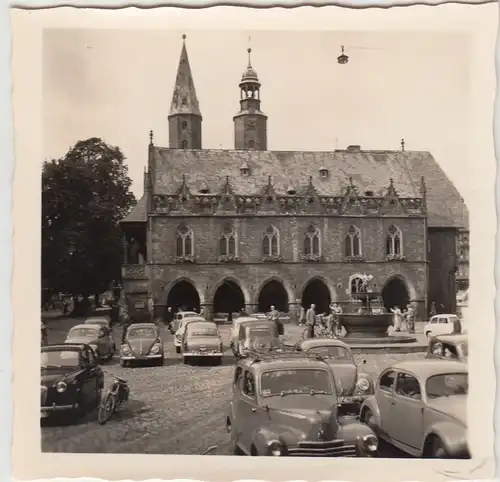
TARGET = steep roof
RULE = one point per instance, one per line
(138, 213)
(184, 99)
(370, 171)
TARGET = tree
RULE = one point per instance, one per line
(84, 196)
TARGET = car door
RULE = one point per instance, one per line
(443, 326)
(247, 410)
(385, 399)
(86, 377)
(95, 374)
(408, 411)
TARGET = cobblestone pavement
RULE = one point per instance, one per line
(174, 409)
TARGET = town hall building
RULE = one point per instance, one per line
(247, 228)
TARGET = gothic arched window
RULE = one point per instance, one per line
(227, 241)
(357, 285)
(270, 242)
(312, 241)
(184, 241)
(353, 242)
(394, 242)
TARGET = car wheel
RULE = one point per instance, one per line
(177, 349)
(437, 450)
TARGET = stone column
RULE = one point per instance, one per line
(207, 311)
(251, 308)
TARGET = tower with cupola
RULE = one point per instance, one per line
(250, 123)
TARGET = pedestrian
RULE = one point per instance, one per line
(410, 319)
(397, 318)
(151, 308)
(230, 317)
(45, 340)
(126, 324)
(330, 323)
(169, 316)
(433, 311)
(311, 320)
(336, 311)
(302, 315)
(274, 316)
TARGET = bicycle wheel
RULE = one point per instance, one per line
(106, 409)
(305, 334)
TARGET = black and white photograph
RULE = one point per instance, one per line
(255, 242)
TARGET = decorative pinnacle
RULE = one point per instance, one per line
(249, 50)
(183, 36)
(269, 180)
(402, 144)
(151, 137)
(391, 182)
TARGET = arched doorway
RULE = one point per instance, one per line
(183, 296)
(395, 293)
(228, 298)
(316, 292)
(273, 293)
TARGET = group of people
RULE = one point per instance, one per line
(404, 320)
(329, 321)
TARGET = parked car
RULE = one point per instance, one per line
(178, 317)
(100, 320)
(421, 408)
(71, 379)
(235, 330)
(353, 386)
(443, 325)
(179, 334)
(285, 404)
(97, 337)
(257, 335)
(201, 339)
(142, 343)
(446, 347)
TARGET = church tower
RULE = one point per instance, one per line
(250, 124)
(184, 120)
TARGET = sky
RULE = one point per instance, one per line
(117, 84)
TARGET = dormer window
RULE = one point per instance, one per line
(323, 172)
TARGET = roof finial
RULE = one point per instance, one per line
(249, 50)
(151, 138)
(183, 37)
(402, 145)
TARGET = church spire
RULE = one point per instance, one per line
(185, 115)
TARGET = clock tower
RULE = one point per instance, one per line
(250, 124)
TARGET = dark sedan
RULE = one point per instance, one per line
(71, 379)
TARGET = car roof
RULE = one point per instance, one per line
(64, 346)
(243, 319)
(445, 314)
(257, 322)
(85, 325)
(96, 319)
(191, 319)
(284, 360)
(142, 325)
(187, 313)
(201, 322)
(427, 367)
(313, 342)
(451, 338)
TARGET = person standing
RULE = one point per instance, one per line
(302, 315)
(311, 320)
(397, 318)
(151, 308)
(433, 311)
(274, 316)
(169, 316)
(410, 319)
(336, 311)
(329, 323)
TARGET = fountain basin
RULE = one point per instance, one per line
(366, 325)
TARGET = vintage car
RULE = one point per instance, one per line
(420, 407)
(178, 317)
(179, 334)
(97, 337)
(99, 320)
(259, 335)
(352, 384)
(285, 404)
(201, 339)
(142, 344)
(449, 347)
(443, 325)
(71, 379)
(235, 330)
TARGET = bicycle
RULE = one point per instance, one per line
(117, 394)
(320, 331)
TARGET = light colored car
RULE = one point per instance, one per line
(235, 329)
(285, 404)
(420, 407)
(353, 386)
(449, 347)
(97, 337)
(142, 343)
(202, 339)
(257, 336)
(178, 317)
(99, 320)
(441, 325)
(179, 334)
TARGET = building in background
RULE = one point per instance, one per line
(249, 228)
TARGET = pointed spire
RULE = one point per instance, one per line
(423, 188)
(402, 145)
(151, 138)
(184, 99)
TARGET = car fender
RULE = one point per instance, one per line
(452, 435)
(370, 402)
(263, 435)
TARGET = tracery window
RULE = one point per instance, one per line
(394, 241)
(227, 243)
(353, 242)
(184, 241)
(270, 242)
(312, 241)
(357, 285)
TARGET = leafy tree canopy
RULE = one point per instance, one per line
(84, 196)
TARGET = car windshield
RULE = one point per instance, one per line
(199, 330)
(60, 358)
(447, 384)
(141, 332)
(336, 352)
(82, 333)
(303, 380)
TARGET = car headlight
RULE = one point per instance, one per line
(61, 387)
(155, 349)
(370, 443)
(275, 448)
(126, 350)
(363, 385)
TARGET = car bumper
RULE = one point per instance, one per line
(202, 353)
(143, 357)
(46, 411)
